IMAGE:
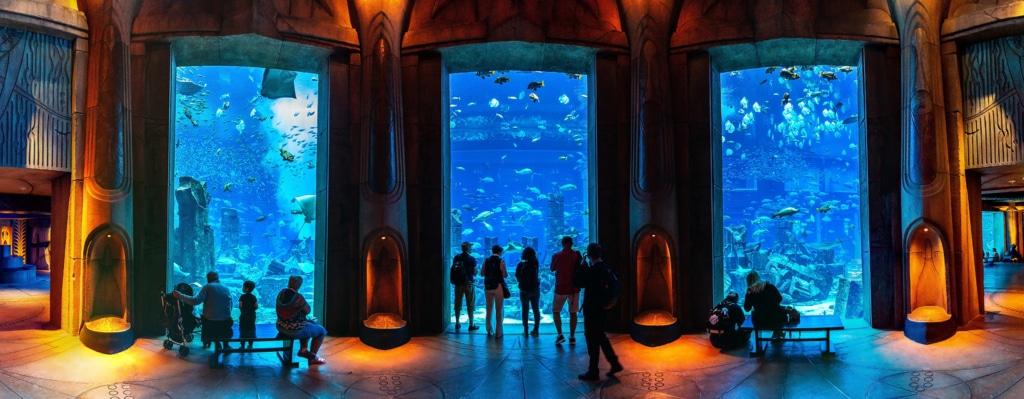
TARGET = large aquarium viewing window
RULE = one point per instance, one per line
(993, 233)
(519, 169)
(791, 153)
(244, 180)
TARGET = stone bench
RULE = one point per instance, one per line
(812, 324)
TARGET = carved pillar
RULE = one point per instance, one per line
(383, 210)
(107, 199)
(966, 265)
(653, 217)
(926, 197)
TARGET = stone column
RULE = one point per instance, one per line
(927, 192)
(653, 217)
(383, 209)
(107, 198)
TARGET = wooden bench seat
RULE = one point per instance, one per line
(812, 324)
(284, 350)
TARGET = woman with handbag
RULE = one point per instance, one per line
(495, 290)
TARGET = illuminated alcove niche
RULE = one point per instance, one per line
(384, 325)
(928, 318)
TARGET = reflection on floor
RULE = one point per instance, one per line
(25, 307)
(982, 362)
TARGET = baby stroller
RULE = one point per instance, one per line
(179, 320)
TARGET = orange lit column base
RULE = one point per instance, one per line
(107, 334)
(929, 324)
(655, 328)
(384, 331)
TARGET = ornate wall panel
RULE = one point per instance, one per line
(35, 100)
(993, 78)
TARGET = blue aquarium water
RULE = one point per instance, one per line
(519, 170)
(244, 183)
(791, 184)
(993, 233)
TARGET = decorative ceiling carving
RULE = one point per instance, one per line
(442, 22)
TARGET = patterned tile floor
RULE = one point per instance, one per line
(986, 361)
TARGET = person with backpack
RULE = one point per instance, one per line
(529, 290)
(461, 275)
(602, 287)
(494, 287)
(565, 264)
(724, 323)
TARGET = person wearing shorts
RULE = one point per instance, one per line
(563, 264)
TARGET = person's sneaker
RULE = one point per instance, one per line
(559, 340)
(589, 376)
(572, 340)
(458, 326)
(304, 353)
(617, 367)
(316, 360)
(535, 332)
(526, 331)
(473, 328)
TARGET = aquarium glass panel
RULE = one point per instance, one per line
(993, 234)
(244, 180)
(519, 171)
(791, 184)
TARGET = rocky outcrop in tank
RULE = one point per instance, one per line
(193, 238)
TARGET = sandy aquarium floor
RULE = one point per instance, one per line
(985, 361)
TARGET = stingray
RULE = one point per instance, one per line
(305, 206)
(188, 87)
(278, 84)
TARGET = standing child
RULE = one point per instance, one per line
(247, 320)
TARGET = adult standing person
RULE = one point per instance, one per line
(293, 320)
(462, 273)
(764, 301)
(564, 265)
(601, 286)
(529, 289)
(216, 300)
(494, 285)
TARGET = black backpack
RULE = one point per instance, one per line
(721, 320)
(457, 273)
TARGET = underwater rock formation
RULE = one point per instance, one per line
(193, 250)
(230, 230)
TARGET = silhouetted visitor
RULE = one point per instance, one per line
(461, 275)
(529, 289)
(216, 300)
(494, 273)
(564, 264)
(247, 304)
(1012, 254)
(765, 300)
(995, 255)
(293, 320)
(601, 292)
(724, 323)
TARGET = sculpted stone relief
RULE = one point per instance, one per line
(35, 100)
(992, 74)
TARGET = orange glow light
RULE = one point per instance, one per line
(109, 324)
